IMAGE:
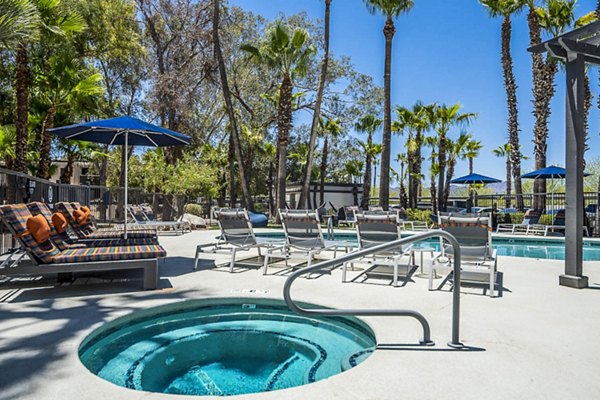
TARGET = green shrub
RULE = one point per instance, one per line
(418, 215)
(194, 209)
(546, 219)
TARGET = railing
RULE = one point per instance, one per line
(454, 343)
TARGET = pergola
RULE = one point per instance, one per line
(576, 48)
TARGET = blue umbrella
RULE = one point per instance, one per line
(473, 179)
(123, 131)
(551, 172)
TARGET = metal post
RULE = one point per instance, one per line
(126, 151)
(575, 137)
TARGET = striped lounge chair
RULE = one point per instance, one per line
(89, 230)
(59, 231)
(45, 257)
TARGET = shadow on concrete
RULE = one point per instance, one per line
(28, 350)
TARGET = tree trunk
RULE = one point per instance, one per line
(67, 173)
(386, 142)
(22, 132)
(229, 105)
(507, 200)
(304, 193)
(46, 145)
(442, 169)
(511, 101)
(364, 204)
(432, 191)
(449, 175)
(403, 202)
(284, 125)
(272, 210)
(323, 170)
(231, 156)
(470, 165)
(416, 172)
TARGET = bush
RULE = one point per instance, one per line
(546, 219)
(194, 209)
(418, 215)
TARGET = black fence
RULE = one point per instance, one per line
(106, 203)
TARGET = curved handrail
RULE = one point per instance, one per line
(455, 343)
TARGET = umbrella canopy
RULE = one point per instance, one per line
(123, 131)
(112, 131)
(473, 179)
(551, 172)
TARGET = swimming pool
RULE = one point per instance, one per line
(529, 247)
(224, 347)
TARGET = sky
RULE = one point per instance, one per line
(448, 52)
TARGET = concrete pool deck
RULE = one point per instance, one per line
(538, 340)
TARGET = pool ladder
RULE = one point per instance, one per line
(454, 343)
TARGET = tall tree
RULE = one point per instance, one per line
(443, 118)
(433, 143)
(303, 201)
(457, 150)
(329, 128)
(504, 151)
(553, 17)
(505, 9)
(368, 124)
(472, 152)
(402, 158)
(390, 9)
(415, 121)
(233, 126)
(288, 53)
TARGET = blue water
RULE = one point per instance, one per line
(551, 249)
(224, 347)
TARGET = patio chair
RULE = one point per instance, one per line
(304, 237)
(44, 257)
(531, 217)
(406, 225)
(479, 262)
(557, 225)
(237, 235)
(349, 215)
(139, 219)
(374, 228)
(80, 220)
(151, 217)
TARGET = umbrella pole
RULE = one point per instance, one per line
(126, 150)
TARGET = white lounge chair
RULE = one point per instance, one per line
(374, 228)
(237, 235)
(479, 260)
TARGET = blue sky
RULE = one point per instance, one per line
(447, 52)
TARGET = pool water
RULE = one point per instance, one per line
(549, 248)
(224, 347)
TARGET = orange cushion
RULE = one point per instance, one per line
(38, 228)
(85, 209)
(80, 216)
(60, 222)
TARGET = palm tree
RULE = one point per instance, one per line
(234, 135)
(457, 150)
(330, 128)
(391, 9)
(472, 151)
(288, 53)
(368, 124)
(505, 9)
(52, 19)
(504, 151)
(415, 122)
(443, 118)
(66, 82)
(553, 18)
(19, 22)
(302, 202)
(433, 142)
(402, 158)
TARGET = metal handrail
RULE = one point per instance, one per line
(455, 343)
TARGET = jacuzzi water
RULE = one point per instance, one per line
(224, 347)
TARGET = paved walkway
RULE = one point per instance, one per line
(537, 341)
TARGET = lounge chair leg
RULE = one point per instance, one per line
(151, 276)
(344, 267)
(232, 263)
(395, 282)
(198, 251)
(266, 264)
